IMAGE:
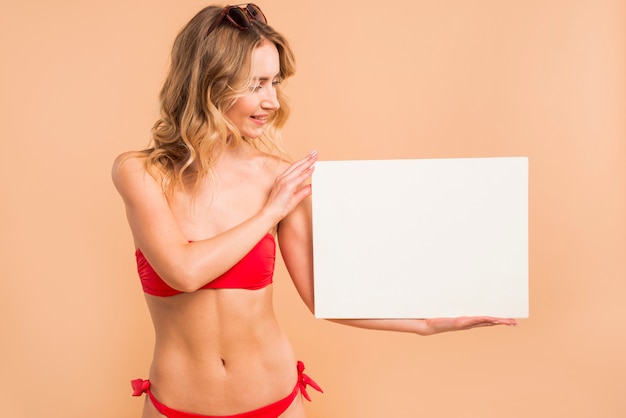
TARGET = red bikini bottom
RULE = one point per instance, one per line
(273, 410)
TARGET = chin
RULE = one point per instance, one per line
(252, 134)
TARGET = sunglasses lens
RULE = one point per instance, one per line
(238, 18)
(255, 12)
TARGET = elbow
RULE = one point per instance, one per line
(188, 276)
(310, 304)
(311, 309)
(185, 287)
(183, 278)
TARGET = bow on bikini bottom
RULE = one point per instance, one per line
(273, 410)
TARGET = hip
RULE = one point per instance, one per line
(218, 379)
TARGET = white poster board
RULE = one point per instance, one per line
(421, 238)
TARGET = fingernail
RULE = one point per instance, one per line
(313, 153)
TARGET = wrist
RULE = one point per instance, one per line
(268, 216)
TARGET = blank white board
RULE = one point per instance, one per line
(421, 238)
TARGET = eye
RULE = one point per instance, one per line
(276, 82)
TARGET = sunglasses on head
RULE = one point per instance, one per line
(239, 16)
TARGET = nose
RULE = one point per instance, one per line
(270, 101)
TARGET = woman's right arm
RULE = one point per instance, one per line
(188, 266)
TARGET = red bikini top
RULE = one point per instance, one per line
(254, 271)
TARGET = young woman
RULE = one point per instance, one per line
(206, 204)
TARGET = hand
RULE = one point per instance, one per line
(288, 190)
(438, 325)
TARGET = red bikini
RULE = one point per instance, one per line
(269, 411)
(254, 271)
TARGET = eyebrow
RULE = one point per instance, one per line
(267, 78)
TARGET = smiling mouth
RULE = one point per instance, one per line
(262, 118)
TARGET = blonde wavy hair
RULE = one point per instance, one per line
(207, 75)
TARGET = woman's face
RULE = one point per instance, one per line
(251, 112)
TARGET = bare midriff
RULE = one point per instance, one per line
(219, 351)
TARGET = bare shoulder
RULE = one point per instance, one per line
(274, 164)
(129, 172)
(267, 166)
(126, 163)
(282, 164)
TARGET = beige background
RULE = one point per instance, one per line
(408, 79)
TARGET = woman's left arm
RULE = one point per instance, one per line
(295, 237)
